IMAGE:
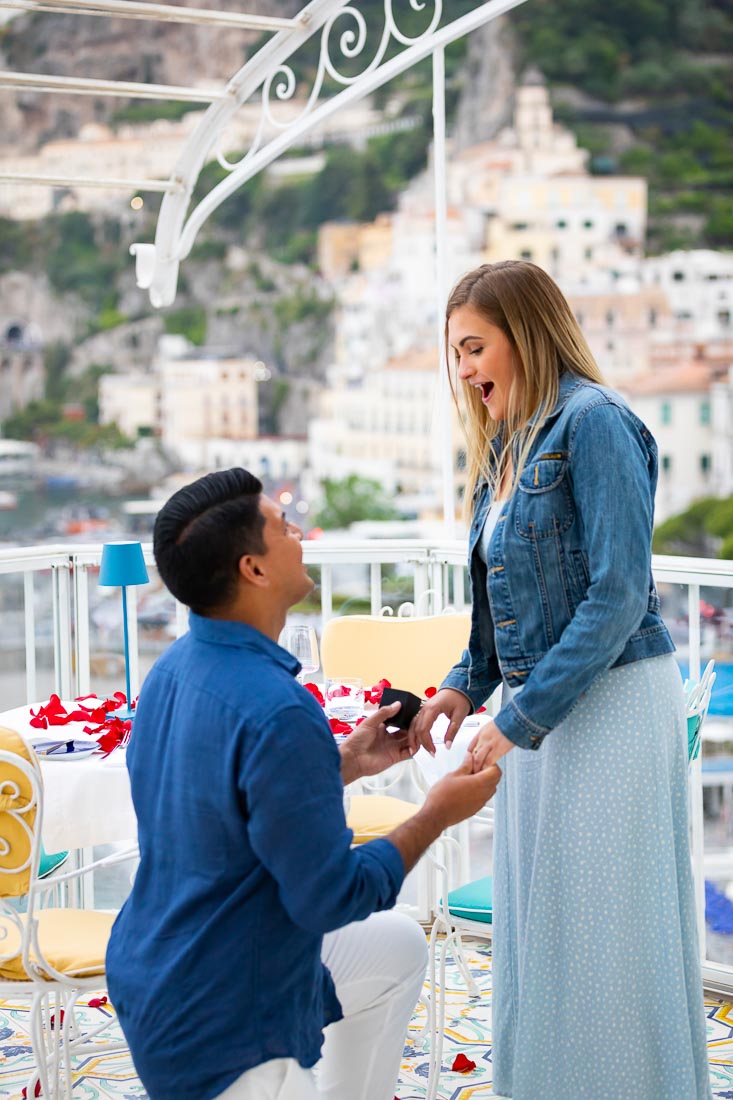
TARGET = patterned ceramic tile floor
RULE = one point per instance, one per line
(468, 1032)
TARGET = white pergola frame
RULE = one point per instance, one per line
(269, 74)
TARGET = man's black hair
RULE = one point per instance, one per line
(201, 533)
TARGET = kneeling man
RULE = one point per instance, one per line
(253, 924)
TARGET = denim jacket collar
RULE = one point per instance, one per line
(568, 383)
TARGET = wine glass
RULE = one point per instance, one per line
(302, 642)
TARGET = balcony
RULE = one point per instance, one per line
(60, 632)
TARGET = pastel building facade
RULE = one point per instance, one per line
(195, 400)
(698, 285)
(386, 425)
(676, 405)
(620, 326)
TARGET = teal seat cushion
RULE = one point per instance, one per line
(474, 901)
(48, 863)
(694, 722)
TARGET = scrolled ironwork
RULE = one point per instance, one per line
(351, 42)
(416, 5)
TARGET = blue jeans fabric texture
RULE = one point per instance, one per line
(567, 591)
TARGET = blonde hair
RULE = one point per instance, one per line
(523, 301)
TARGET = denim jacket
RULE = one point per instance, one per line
(568, 590)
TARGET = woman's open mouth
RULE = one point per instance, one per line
(487, 388)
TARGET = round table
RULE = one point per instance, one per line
(85, 802)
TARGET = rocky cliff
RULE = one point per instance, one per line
(113, 49)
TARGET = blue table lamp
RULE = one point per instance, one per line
(123, 564)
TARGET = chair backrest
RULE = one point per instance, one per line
(698, 701)
(412, 653)
(20, 812)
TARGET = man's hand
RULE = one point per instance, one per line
(370, 749)
(457, 796)
(462, 793)
(488, 746)
(446, 701)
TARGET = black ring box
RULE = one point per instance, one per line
(410, 706)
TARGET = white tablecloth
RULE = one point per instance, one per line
(85, 802)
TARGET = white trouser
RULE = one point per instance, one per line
(378, 966)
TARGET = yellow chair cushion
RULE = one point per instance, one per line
(73, 941)
(373, 816)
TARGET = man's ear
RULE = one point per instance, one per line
(251, 569)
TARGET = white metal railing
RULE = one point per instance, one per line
(432, 576)
(435, 578)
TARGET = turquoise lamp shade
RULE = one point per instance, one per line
(122, 564)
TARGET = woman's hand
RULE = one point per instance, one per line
(447, 701)
(488, 746)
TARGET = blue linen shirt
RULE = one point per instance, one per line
(214, 963)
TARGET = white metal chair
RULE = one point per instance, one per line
(456, 912)
(51, 955)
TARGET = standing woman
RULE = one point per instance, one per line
(597, 991)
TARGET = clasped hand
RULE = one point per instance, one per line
(488, 746)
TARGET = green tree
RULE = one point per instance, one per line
(15, 245)
(189, 321)
(351, 499)
(56, 358)
(703, 529)
(719, 226)
(78, 263)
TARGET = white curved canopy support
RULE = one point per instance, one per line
(160, 13)
(77, 85)
(268, 72)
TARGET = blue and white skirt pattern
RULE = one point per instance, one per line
(597, 991)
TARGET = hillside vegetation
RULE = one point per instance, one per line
(653, 96)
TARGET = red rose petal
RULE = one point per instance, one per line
(97, 1002)
(315, 692)
(339, 727)
(37, 1091)
(481, 710)
(430, 692)
(462, 1064)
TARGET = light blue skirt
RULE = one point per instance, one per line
(597, 991)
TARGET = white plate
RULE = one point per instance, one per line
(81, 750)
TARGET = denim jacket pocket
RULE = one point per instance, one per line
(544, 504)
